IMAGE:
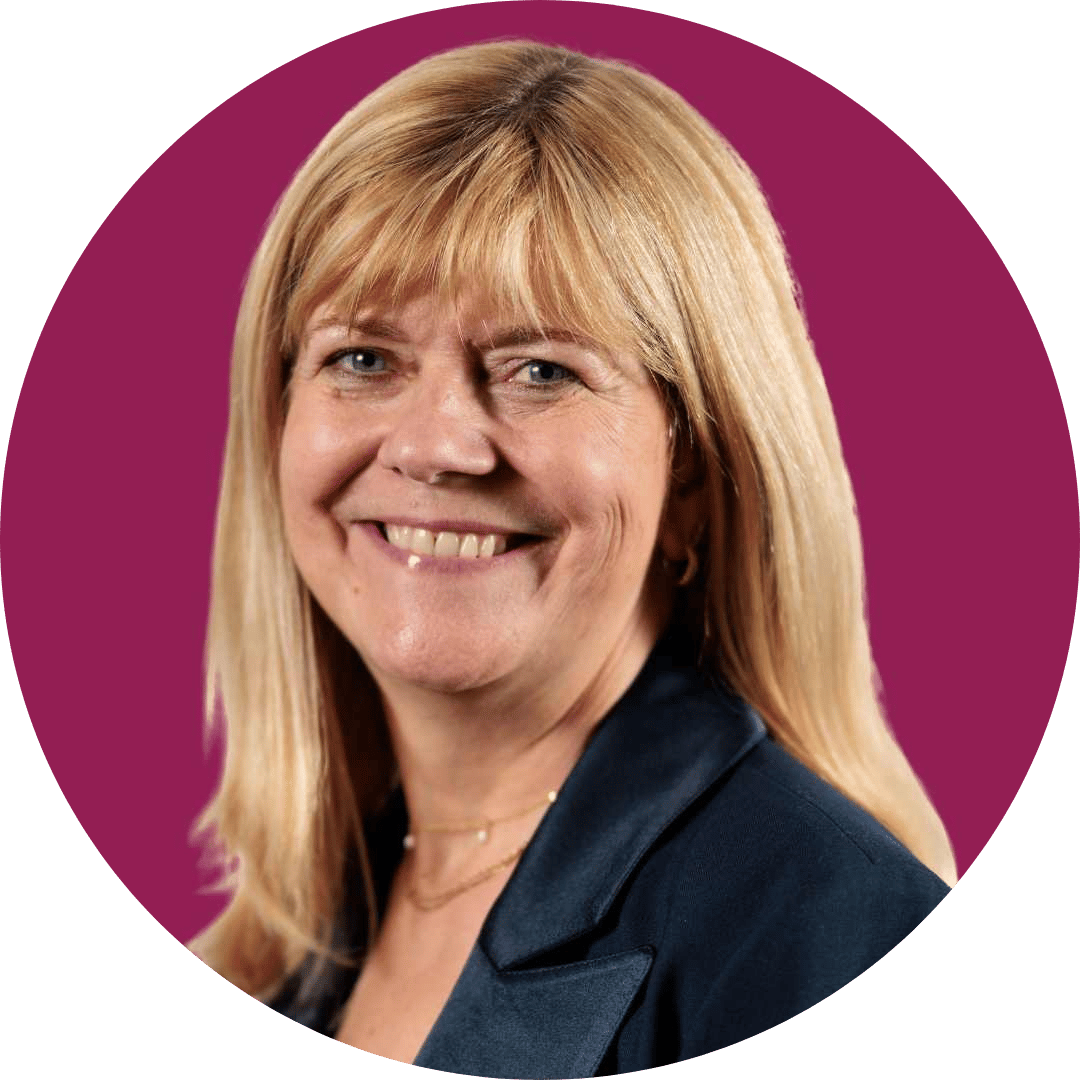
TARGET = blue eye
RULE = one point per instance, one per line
(360, 362)
(543, 373)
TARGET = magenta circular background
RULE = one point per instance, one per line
(950, 418)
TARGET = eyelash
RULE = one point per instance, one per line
(337, 362)
(566, 374)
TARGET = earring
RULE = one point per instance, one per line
(690, 570)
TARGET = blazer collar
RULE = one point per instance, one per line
(671, 736)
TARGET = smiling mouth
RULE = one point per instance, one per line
(452, 545)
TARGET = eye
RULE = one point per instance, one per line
(542, 373)
(359, 362)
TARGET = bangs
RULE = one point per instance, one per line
(519, 225)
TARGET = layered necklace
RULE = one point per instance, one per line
(481, 828)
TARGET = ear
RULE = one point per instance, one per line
(685, 512)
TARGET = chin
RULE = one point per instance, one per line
(439, 662)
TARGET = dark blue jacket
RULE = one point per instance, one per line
(692, 886)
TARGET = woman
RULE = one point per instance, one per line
(553, 746)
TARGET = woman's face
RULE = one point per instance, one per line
(470, 502)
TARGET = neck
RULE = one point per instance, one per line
(497, 750)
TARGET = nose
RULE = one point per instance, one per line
(436, 430)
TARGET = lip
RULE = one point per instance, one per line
(454, 525)
(432, 563)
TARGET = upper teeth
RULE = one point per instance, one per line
(445, 545)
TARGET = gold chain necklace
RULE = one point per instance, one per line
(436, 900)
(481, 826)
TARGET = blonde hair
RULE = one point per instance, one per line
(584, 194)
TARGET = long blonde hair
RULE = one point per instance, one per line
(579, 193)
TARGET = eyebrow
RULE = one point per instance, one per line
(373, 327)
(507, 338)
(529, 335)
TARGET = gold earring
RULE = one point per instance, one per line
(691, 569)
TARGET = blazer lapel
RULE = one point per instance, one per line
(513, 1014)
(669, 739)
(534, 1023)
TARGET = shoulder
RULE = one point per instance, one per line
(774, 829)
(787, 891)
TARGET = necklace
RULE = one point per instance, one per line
(432, 901)
(481, 826)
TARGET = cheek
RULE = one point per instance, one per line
(616, 479)
(298, 471)
(319, 452)
(314, 463)
(308, 463)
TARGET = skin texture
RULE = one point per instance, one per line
(492, 673)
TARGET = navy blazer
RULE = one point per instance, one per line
(692, 886)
